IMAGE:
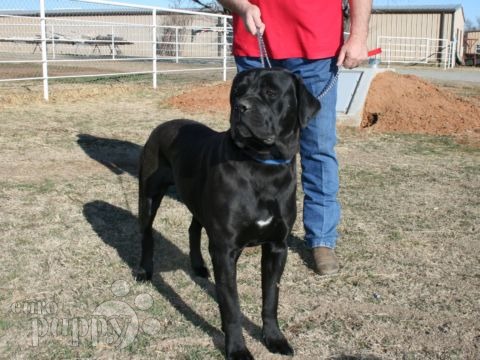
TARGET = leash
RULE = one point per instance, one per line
(265, 60)
(329, 86)
(263, 50)
(335, 78)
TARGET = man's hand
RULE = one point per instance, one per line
(352, 53)
(250, 14)
(252, 19)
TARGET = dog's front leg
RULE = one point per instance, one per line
(274, 257)
(224, 263)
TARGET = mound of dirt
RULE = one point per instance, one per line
(395, 103)
(206, 99)
(406, 103)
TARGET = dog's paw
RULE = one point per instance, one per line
(201, 271)
(278, 345)
(240, 355)
(143, 276)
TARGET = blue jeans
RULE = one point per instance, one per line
(321, 209)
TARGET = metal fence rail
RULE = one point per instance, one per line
(58, 39)
(409, 50)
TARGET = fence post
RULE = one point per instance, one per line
(176, 45)
(454, 52)
(224, 49)
(389, 52)
(113, 43)
(445, 55)
(43, 39)
(427, 50)
(154, 47)
(53, 41)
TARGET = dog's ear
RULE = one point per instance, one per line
(308, 105)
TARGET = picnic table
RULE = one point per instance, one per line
(113, 43)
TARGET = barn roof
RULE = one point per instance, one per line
(417, 8)
(138, 11)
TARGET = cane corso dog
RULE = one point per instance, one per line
(239, 185)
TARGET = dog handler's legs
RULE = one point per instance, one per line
(274, 258)
(224, 263)
(321, 209)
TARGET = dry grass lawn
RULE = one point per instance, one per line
(409, 287)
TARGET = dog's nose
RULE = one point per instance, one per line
(243, 105)
(269, 140)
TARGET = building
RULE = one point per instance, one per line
(471, 45)
(418, 33)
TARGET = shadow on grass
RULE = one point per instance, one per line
(117, 228)
(300, 247)
(119, 156)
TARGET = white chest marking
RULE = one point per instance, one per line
(263, 223)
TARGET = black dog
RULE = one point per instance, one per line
(239, 185)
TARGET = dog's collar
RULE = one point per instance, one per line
(273, 161)
(251, 154)
(268, 161)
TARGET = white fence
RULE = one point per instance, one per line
(59, 39)
(409, 50)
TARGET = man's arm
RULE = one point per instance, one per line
(248, 12)
(354, 51)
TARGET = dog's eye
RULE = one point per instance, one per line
(270, 92)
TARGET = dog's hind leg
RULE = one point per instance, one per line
(196, 259)
(151, 192)
(149, 207)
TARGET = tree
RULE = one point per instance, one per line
(468, 24)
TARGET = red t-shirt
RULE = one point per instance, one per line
(294, 29)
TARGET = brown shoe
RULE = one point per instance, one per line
(325, 261)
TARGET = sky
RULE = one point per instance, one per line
(471, 8)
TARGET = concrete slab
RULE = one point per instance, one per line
(353, 88)
(455, 74)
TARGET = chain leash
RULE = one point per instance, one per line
(263, 50)
(265, 60)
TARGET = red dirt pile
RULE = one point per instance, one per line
(406, 103)
(204, 99)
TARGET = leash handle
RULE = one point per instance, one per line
(332, 82)
(263, 50)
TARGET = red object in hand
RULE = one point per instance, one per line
(374, 52)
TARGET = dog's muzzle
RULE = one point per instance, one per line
(243, 109)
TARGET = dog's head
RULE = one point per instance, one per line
(268, 109)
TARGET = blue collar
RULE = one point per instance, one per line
(273, 161)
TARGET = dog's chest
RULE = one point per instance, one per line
(261, 223)
(266, 222)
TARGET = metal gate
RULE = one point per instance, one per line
(410, 50)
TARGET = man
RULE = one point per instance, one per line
(306, 37)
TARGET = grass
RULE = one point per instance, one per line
(410, 278)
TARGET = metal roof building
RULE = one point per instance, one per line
(417, 32)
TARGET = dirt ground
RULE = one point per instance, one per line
(409, 285)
